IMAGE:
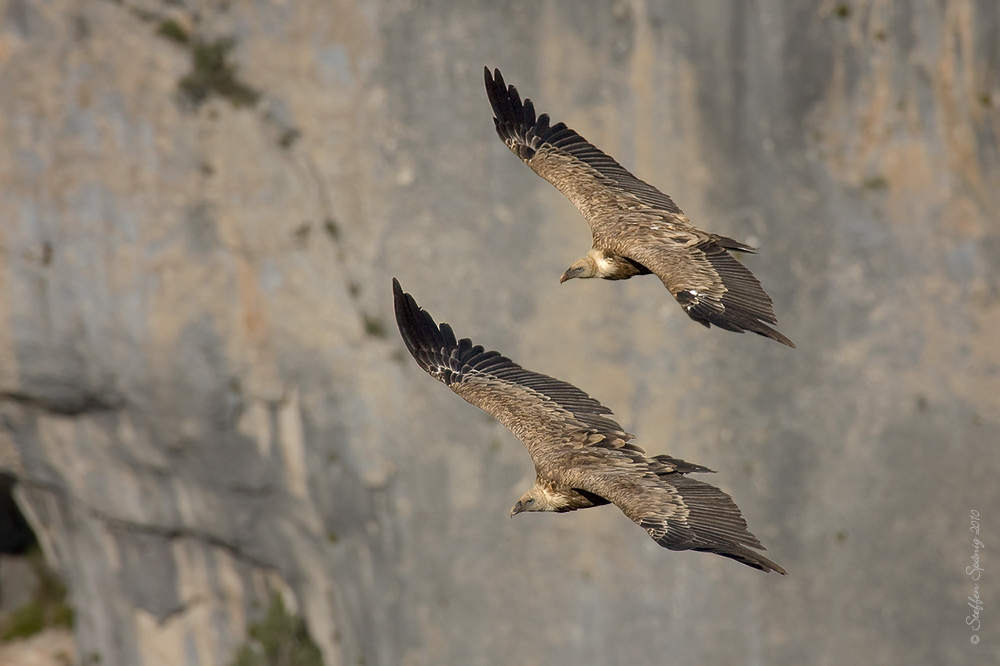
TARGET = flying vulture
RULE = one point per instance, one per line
(637, 229)
(582, 456)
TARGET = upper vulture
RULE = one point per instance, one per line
(637, 229)
(582, 456)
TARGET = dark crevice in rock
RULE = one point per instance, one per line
(16, 536)
(71, 405)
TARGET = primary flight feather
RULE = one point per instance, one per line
(582, 456)
(637, 229)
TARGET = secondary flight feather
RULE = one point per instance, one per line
(582, 456)
(637, 229)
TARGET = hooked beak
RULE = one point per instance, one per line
(568, 275)
(516, 509)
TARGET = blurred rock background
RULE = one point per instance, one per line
(207, 412)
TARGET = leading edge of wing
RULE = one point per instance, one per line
(526, 135)
(452, 361)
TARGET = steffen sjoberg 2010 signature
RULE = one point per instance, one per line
(974, 572)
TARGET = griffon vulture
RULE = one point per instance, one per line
(582, 456)
(637, 229)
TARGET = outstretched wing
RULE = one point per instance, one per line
(678, 513)
(599, 186)
(544, 413)
(710, 285)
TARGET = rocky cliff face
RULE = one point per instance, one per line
(204, 400)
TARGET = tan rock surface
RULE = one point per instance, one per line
(204, 398)
(51, 647)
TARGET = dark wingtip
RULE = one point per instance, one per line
(398, 299)
(712, 524)
(768, 332)
(783, 340)
(416, 326)
(767, 566)
(737, 321)
(403, 304)
(746, 556)
(496, 92)
(493, 81)
(745, 304)
(761, 563)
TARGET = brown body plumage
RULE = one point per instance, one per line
(582, 456)
(637, 229)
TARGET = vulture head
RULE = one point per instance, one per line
(602, 264)
(581, 268)
(543, 497)
(538, 499)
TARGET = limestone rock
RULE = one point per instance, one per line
(204, 400)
